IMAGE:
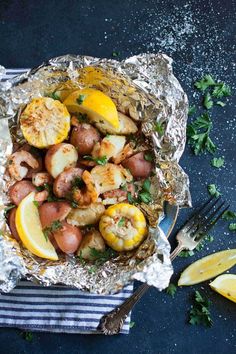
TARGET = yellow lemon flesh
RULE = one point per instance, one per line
(208, 267)
(99, 107)
(30, 230)
(45, 122)
(225, 285)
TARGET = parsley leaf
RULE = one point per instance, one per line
(145, 195)
(204, 83)
(132, 324)
(198, 135)
(217, 162)
(55, 225)
(232, 227)
(171, 290)
(159, 128)
(221, 90)
(148, 156)
(77, 182)
(220, 103)
(130, 198)
(121, 222)
(8, 208)
(27, 336)
(36, 203)
(99, 160)
(207, 101)
(229, 215)
(82, 117)
(212, 189)
(200, 314)
(102, 256)
(54, 96)
(80, 99)
(192, 110)
(186, 253)
(115, 53)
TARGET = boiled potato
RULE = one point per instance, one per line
(93, 239)
(110, 146)
(59, 157)
(86, 216)
(127, 126)
(108, 177)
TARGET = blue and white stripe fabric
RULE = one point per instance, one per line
(56, 308)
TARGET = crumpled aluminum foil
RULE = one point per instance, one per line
(142, 86)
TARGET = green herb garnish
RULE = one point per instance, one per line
(145, 195)
(132, 324)
(186, 253)
(207, 101)
(159, 128)
(27, 336)
(200, 314)
(82, 117)
(171, 290)
(80, 99)
(77, 182)
(130, 198)
(204, 83)
(192, 110)
(102, 256)
(55, 225)
(217, 162)
(54, 96)
(8, 208)
(220, 103)
(121, 222)
(221, 90)
(36, 203)
(232, 227)
(229, 215)
(115, 53)
(99, 160)
(198, 135)
(212, 189)
(148, 156)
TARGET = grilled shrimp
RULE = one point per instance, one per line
(41, 196)
(87, 195)
(15, 168)
(40, 178)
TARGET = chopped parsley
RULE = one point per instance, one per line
(115, 53)
(27, 336)
(102, 256)
(205, 82)
(198, 134)
(159, 128)
(80, 99)
(232, 226)
(99, 160)
(217, 162)
(8, 208)
(55, 225)
(220, 103)
(82, 117)
(145, 195)
(54, 96)
(186, 253)
(121, 222)
(171, 290)
(130, 198)
(207, 101)
(77, 182)
(229, 215)
(192, 109)
(132, 324)
(36, 203)
(221, 90)
(148, 156)
(212, 189)
(199, 313)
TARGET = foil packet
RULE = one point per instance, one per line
(142, 87)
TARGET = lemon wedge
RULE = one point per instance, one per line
(99, 107)
(208, 267)
(30, 230)
(225, 285)
(45, 122)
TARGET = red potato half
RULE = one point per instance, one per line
(84, 137)
(68, 238)
(59, 157)
(12, 224)
(63, 183)
(138, 166)
(20, 190)
(52, 211)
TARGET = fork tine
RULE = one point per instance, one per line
(216, 219)
(199, 214)
(198, 211)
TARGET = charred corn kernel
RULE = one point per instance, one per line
(123, 227)
(45, 122)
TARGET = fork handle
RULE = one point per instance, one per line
(112, 322)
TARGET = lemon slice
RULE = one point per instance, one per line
(30, 230)
(45, 122)
(208, 267)
(99, 107)
(225, 285)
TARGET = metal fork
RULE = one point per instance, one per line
(189, 236)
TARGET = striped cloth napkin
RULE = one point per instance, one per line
(56, 308)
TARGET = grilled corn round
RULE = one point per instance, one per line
(123, 226)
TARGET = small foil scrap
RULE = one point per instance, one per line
(142, 87)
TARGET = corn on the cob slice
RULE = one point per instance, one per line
(123, 226)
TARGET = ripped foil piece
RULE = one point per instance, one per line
(144, 88)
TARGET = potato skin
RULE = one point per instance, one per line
(59, 157)
(68, 238)
(52, 211)
(93, 239)
(20, 190)
(86, 216)
(84, 137)
(12, 223)
(138, 166)
(63, 183)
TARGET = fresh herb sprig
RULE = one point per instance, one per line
(200, 314)
(171, 290)
(213, 191)
(99, 160)
(217, 162)
(55, 226)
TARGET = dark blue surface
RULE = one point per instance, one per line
(200, 36)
